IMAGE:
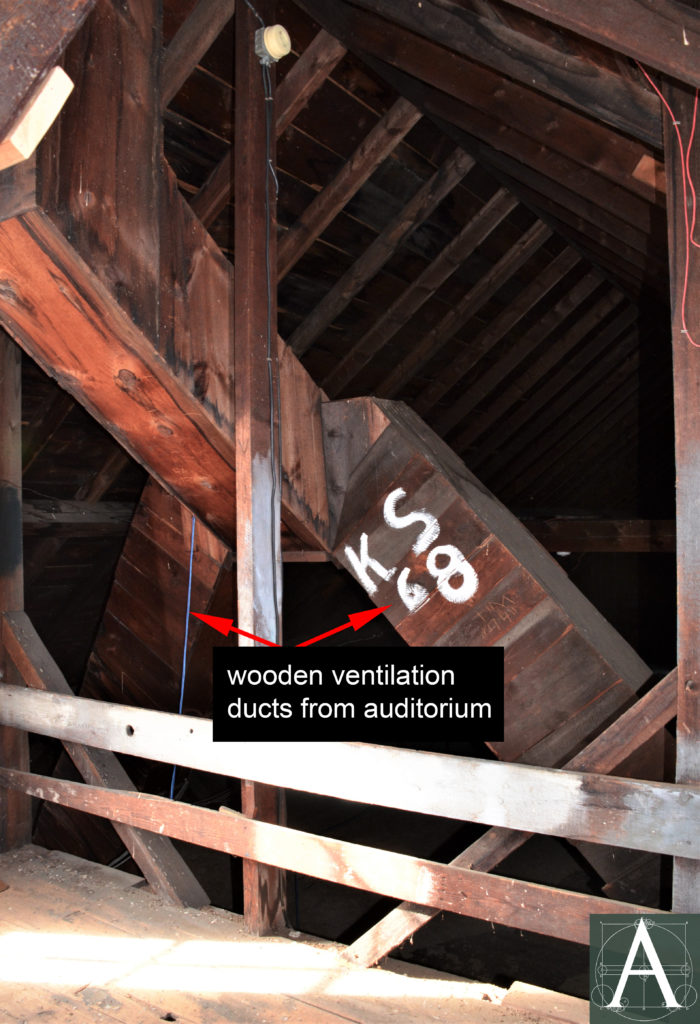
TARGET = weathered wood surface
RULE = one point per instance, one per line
(685, 308)
(161, 864)
(572, 78)
(75, 518)
(377, 146)
(654, 816)
(561, 655)
(492, 898)
(603, 754)
(33, 35)
(191, 42)
(662, 34)
(15, 810)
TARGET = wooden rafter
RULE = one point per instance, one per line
(421, 290)
(495, 331)
(611, 535)
(572, 79)
(414, 213)
(468, 306)
(376, 147)
(665, 35)
(191, 42)
(306, 77)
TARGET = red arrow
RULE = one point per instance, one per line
(226, 626)
(356, 619)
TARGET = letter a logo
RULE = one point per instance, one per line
(642, 967)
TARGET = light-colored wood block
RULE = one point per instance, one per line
(36, 119)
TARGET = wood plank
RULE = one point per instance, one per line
(15, 814)
(577, 81)
(396, 232)
(307, 76)
(603, 754)
(257, 391)
(468, 306)
(572, 534)
(685, 312)
(34, 34)
(191, 42)
(489, 897)
(421, 290)
(36, 118)
(664, 35)
(654, 816)
(161, 864)
(376, 147)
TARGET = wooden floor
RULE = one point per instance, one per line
(84, 943)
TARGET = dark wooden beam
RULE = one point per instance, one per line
(624, 104)
(161, 864)
(75, 518)
(33, 36)
(380, 142)
(15, 810)
(307, 76)
(416, 210)
(603, 754)
(39, 431)
(565, 534)
(663, 34)
(507, 901)
(421, 290)
(434, 340)
(191, 42)
(685, 313)
(492, 334)
(256, 389)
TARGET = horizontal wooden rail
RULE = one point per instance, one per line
(654, 816)
(506, 901)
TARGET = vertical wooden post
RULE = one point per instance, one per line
(258, 549)
(685, 307)
(15, 808)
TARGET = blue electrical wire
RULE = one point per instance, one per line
(184, 649)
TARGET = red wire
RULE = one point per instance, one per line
(687, 183)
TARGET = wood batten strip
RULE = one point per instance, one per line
(494, 332)
(191, 42)
(399, 229)
(421, 290)
(161, 864)
(381, 141)
(664, 35)
(633, 728)
(597, 91)
(655, 816)
(307, 76)
(507, 901)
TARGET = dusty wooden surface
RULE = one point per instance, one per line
(106, 951)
